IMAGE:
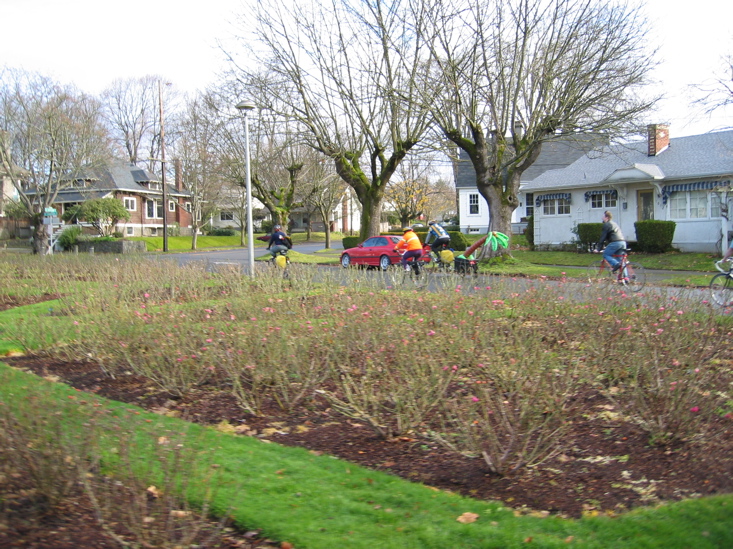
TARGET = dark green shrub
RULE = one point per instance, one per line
(222, 231)
(69, 237)
(266, 226)
(529, 232)
(350, 241)
(588, 234)
(654, 236)
(458, 240)
(118, 234)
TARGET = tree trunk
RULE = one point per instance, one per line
(40, 236)
(371, 216)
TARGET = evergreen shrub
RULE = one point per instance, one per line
(654, 236)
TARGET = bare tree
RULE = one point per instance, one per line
(442, 200)
(132, 111)
(48, 132)
(514, 74)
(279, 158)
(343, 69)
(326, 192)
(717, 93)
(200, 162)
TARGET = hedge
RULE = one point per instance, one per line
(589, 234)
(654, 236)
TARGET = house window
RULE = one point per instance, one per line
(529, 204)
(473, 204)
(698, 204)
(171, 206)
(556, 206)
(130, 204)
(130, 231)
(188, 207)
(154, 209)
(678, 205)
(603, 201)
(714, 205)
(226, 216)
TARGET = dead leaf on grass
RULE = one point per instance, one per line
(467, 518)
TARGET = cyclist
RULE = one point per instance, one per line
(279, 241)
(728, 254)
(411, 244)
(441, 236)
(616, 241)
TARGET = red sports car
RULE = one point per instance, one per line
(376, 251)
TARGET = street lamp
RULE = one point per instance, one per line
(244, 107)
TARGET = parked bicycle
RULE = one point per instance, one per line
(721, 286)
(630, 274)
(416, 276)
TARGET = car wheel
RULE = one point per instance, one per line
(384, 262)
(345, 261)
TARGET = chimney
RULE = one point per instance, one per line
(658, 138)
(179, 175)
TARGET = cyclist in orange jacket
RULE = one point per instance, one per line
(411, 244)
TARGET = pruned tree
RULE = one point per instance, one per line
(48, 132)
(513, 74)
(345, 70)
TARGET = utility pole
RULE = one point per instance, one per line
(162, 162)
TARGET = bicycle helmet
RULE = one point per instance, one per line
(277, 227)
(432, 222)
(405, 229)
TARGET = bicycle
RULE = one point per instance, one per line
(441, 259)
(281, 261)
(416, 276)
(721, 286)
(630, 274)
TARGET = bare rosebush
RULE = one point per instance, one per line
(158, 501)
(512, 409)
(38, 446)
(669, 380)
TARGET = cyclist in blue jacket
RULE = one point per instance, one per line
(438, 235)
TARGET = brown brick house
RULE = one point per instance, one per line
(140, 191)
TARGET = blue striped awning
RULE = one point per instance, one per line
(612, 192)
(555, 196)
(667, 190)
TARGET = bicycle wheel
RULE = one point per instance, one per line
(599, 273)
(721, 289)
(418, 276)
(634, 276)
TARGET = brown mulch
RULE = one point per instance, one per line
(609, 468)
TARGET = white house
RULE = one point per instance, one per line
(686, 180)
(473, 211)
(345, 217)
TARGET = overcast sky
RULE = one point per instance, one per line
(92, 42)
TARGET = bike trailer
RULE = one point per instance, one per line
(465, 265)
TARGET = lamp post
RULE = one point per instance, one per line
(244, 107)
